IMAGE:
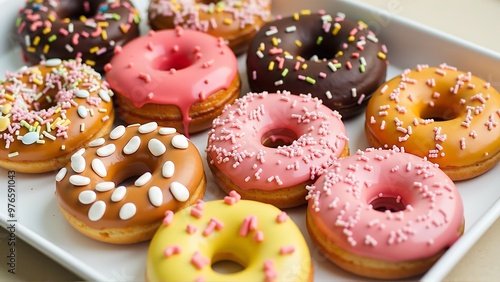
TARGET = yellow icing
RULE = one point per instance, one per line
(228, 244)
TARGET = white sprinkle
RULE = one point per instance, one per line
(30, 138)
(53, 62)
(104, 95)
(105, 186)
(168, 169)
(117, 132)
(167, 130)
(106, 150)
(148, 127)
(132, 145)
(97, 142)
(118, 194)
(155, 196)
(328, 94)
(179, 191)
(272, 31)
(127, 211)
(82, 93)
(79, 180)
(78, 163)
(61, 174)
(291, 28)
(82, 111)
(143, 179)
(156, 147)
(97, 210)
(87, 197)
(99, 167)
(180, 142)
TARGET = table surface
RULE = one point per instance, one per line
(470, 20)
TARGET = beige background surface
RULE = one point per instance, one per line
(473, 21)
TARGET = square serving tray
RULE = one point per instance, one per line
(40, 223)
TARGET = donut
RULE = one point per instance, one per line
(178, 78)
(235, 21)
(118, 189)
(268, 147)
(335, 59)
(50, 110)
(448, 116)
(69, 29)
(249, 233)
(384, 214)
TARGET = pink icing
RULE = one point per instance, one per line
(314, 137)
(427, 207)
(172, 67)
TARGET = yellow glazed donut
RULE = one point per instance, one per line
(448, 116)
(260, 237)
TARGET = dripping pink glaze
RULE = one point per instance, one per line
(339, 205)
(235, 146)
(172, 67)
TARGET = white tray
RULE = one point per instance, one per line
(40, 223)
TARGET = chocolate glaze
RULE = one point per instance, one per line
(339, 83)
(44, 29)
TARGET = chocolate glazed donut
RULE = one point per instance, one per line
(68, 29)
(335, 59)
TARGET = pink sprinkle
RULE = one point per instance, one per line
(150, 95)
(282, 217)
(196, 212)
(235, 194)
(85, 34)
(209, 229)
(198, 261)
(229, 200)
(286, 250)
(348, 65)
(107, 67)
(197, 49)
(190, 229)
(301, 77)
(322, 74)
(150, 46)
(62, 31)
(169, 217)
(86, 6)
(254, 75)
(172, 250)
(118, 49)
(97, 32)
(259, 236)
(297, 66)
(151, 33)
(130, 65)
(175, 48)
(144, 76)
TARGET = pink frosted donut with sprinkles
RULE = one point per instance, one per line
(50, 110)
(440, 113)
(384, 214)
(69, 29)
(236, 21)
(331, 57)
(259, 237)
(118, 189)
(268, 147)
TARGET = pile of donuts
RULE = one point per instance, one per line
(111, 111)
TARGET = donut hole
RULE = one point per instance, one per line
(177, 61)
(126, 176)
(439, 113)
(275, 138)
(74, 10)
(207, 1)
(321, 52)
(226, 264)
(388, 203)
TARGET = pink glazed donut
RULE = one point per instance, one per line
(177, 78)
(384, 214)
(269, 147)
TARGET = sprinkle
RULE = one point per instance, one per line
(310, 80)
(286, 250)
(381, 55)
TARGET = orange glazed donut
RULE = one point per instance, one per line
(95, 197)
(235, 21)
(178, 78)
(259, 237)
(50, 110)
(384, 214)
(69, 29)
(448, 116)
(268, 147)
